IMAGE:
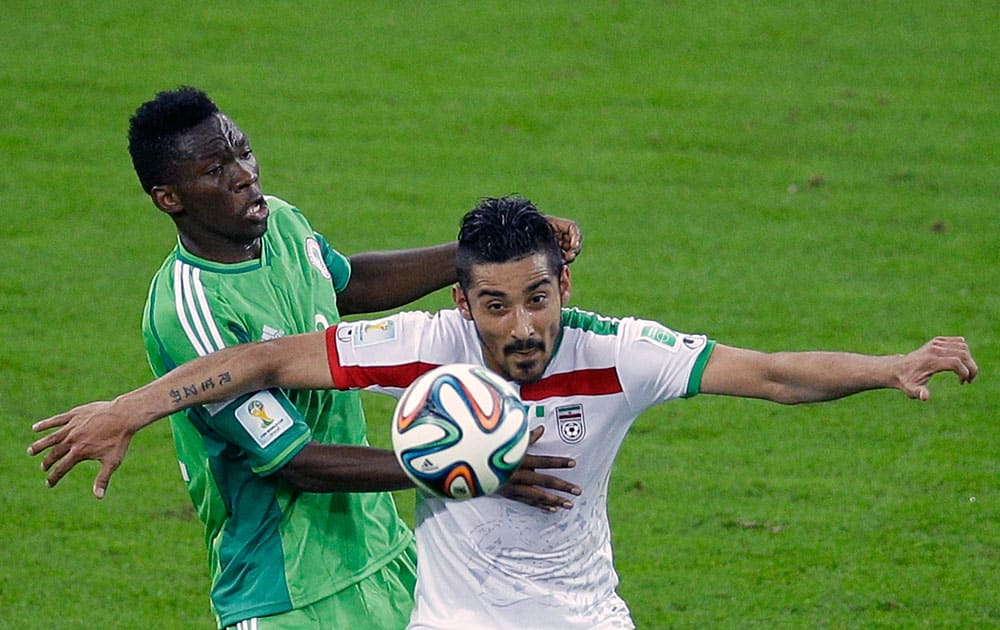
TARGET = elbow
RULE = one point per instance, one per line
(786, 395)
(298, 482)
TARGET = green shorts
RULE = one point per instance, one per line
(382, 601)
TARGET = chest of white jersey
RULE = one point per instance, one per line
(492, 562)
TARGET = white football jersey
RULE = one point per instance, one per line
(490, 562)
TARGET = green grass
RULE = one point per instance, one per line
(776, 174)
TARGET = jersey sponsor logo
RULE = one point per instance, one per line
(371, 333)
(660, 335)
(569, 421)
(316, 257)
(264, 418)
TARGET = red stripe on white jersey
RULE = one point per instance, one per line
(360, 377)
(593, 382)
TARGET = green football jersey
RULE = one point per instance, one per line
(271, 549)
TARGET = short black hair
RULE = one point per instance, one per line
(155, 127)
(504, 229)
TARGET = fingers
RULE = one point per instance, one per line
(536, 479)
(546, 461)
(536, 489)
(51, 439)
(954, 356)
(919, 392)
(104, 477)
(569, 236)
(571, 244)
(50, 423)
(940, 354)
(43, 443)
(535, 497)
(958, 357)
(59, 461)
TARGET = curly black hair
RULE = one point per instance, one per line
(156, 125)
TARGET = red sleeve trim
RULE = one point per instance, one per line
(332, 358)
(359, 377)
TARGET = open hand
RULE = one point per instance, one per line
(89, 432)
(534, 488)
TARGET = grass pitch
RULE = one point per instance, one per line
(778, 175)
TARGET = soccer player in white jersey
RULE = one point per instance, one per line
(488, 562)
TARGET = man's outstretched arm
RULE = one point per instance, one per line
(103, 430)
(800, 377)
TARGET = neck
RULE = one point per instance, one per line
(222, 250)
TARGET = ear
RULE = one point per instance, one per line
(165, 198)
(461, 302)
(564, 284)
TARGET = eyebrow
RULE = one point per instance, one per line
(216, 147)
(499, 294)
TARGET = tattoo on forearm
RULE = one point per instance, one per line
(178, 396)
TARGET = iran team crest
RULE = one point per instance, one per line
(569, 420)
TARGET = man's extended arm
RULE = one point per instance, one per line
(799, 377)
(391, 279)
(103, 430)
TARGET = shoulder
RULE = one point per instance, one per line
(287, 225)
(587, 322)
(284, 213)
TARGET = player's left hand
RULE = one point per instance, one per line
(941, 354)
(89, 432)
(569, 236)
(534, 488)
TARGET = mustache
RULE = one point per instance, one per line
(524, 346)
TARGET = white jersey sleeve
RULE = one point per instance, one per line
(388, 354)
(656, 364)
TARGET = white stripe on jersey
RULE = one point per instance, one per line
(196, 319)
(206, 311)
(179, 306)
(188, 277)
(193, 311)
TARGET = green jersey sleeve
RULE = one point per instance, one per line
(338, 264)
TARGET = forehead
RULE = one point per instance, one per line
(216, 134)
(511, 278)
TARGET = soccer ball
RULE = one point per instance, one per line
(459, 431)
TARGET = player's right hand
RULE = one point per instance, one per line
(89, 432)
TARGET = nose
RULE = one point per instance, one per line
(245, 174)
(523, 325)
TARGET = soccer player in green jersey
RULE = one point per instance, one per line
(300, 526)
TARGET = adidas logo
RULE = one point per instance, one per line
(268, 333)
